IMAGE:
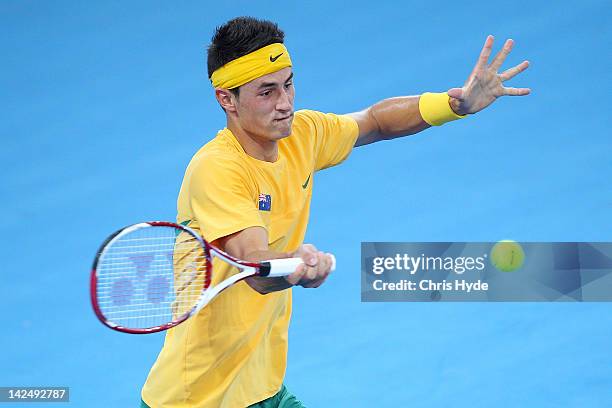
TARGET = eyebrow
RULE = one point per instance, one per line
(272, 84)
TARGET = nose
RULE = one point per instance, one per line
(285, 100)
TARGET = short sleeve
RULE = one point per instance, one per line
(221, 198)
(334, 137)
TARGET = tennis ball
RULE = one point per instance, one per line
(507, 256)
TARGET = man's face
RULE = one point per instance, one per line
(264, 107)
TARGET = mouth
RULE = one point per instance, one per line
(285, 118)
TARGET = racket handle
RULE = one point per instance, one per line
(286, 266)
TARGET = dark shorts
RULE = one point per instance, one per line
(282, 399)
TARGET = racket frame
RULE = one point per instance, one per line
(207, 294)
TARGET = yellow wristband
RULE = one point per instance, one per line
(435, 109)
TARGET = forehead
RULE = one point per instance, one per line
(276, 78)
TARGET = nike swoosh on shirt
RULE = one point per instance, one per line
(306, 183)
(273, 59)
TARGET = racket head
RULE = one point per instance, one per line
(149, 277)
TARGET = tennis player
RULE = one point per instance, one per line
(248, 191)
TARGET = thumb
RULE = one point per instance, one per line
(308, 253)
(456, 93)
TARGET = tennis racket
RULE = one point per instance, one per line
(152, 276)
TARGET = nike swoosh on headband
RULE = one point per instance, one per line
(273, 59)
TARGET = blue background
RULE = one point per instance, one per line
(104, 104)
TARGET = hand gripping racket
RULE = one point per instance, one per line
(152, 276)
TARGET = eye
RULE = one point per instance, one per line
(265, 93)
(288, 85)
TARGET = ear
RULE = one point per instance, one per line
(226, 99)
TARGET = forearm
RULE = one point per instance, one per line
(398, 116)
(251, 244)
(266, 285)
(404, 115)
(391, 118)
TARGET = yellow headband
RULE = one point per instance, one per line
(263, 61)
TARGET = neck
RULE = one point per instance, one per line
(255, 146)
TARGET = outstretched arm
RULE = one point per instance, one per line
(408, 115)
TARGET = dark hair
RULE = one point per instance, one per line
(238, 37)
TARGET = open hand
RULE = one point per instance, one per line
(485, 84)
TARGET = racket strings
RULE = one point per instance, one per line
(150, 276)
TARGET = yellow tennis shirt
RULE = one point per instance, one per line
(233, 353)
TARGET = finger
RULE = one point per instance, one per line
(512, 72)
(324, 263)
(310, 283)
(315, 283)
(517, 91)
(309, 254)
(501, 55)
(312, 272)
(298, 275)
(332, 261)
(323, 272)
(309, 247)
(485, 53)
(315, 277)
(456, 93)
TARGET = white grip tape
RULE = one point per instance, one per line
(286, 266)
